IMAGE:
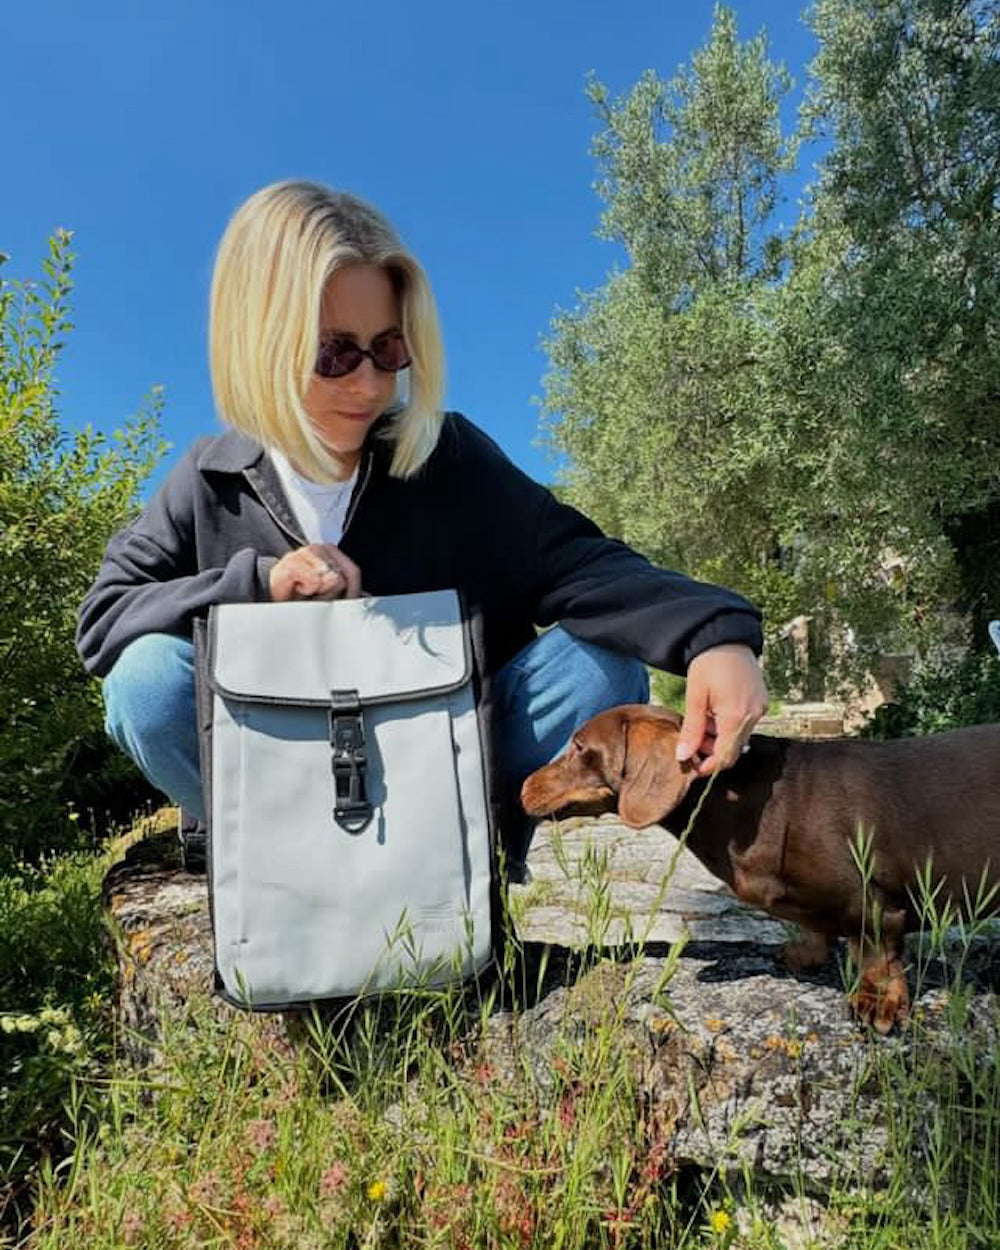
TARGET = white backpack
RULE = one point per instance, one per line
(350, 845)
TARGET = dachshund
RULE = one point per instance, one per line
(791, 824)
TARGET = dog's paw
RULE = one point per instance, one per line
(882, 1002)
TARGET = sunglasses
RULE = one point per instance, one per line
(340, 355)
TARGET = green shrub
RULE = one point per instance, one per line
(56, 991)
(61, 498)
(667, 689)
(942, 695)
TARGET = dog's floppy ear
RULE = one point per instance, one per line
(653, 782)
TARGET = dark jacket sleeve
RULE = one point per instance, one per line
(596, 587)
(149, 582)
(601, 590)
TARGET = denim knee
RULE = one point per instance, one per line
(149, 704)
(151, 684)
(586, 676)
(551, 687)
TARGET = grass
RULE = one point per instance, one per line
(420, 1120)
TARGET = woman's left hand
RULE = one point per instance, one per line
(726, 696)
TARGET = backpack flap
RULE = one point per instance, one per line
(392, 647)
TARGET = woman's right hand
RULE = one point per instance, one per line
(318, 571)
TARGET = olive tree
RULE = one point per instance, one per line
(812, 416)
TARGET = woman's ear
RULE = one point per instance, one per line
(653, 782)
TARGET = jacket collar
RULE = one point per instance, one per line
(230, 452)
(235, 452)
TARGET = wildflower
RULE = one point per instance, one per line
(72, 1042)
(206, 1190)
(132, 1226)
(273, 1207)
(619, 1221)
(656, 1163)
(719, 1221)
(177, 1219)
(377, 1191)
(333, 1179)
(261, 1134)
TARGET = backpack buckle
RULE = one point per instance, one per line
(351, 809)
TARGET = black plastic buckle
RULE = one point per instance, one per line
(351, 809)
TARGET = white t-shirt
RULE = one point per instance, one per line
(319, 509)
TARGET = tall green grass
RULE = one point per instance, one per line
(420, 1120)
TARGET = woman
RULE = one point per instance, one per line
(335, 479)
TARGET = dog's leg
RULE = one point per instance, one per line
(882, 998)
(809, 950)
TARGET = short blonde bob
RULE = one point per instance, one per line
(272, 266)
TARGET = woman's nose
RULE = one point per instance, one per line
(366, 379)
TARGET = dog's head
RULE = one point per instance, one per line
(620, 760)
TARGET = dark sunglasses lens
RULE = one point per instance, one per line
(390, 353)
(337, 357)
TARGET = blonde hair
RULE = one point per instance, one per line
(273, 263)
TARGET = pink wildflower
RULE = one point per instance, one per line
(132, 1226)
(262, 1134)
(206, 1190)
(177, 1220)
(333, 1179)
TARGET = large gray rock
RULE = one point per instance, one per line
(756, 1066)
(744, 1061)
(163, 931)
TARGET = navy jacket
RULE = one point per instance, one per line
(469, 519)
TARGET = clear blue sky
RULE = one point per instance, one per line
(141, 126)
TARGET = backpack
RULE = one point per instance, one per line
(345, 769)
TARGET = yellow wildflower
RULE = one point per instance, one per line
(719, 1221)
(377, 1191)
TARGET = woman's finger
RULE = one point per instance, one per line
(345, 567)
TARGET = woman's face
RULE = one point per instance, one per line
(359, 303)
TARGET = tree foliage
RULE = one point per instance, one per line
(809, 415)
(61, 497)
(909, 95)
(689, 167)
(655, 390)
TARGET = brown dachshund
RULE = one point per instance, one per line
(782, 827)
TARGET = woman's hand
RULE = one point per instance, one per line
(319, 571)
(726, 696)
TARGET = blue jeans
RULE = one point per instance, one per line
(540, 696)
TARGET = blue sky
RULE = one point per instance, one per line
(142, 126)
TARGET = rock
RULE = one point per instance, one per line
(163, 932)
(755, 1067)
(598, 882)
(805, 720)
(751, 1065)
